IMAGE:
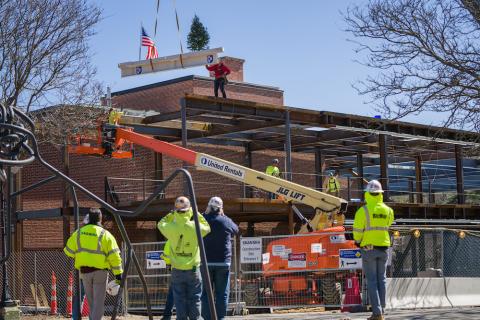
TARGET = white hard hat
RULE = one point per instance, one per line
(182, 204)
(86, 219)
(113, 287)
(374, 186)
(216, 202)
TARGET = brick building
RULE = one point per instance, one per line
(162, 97)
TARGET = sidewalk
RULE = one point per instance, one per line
(430, 314)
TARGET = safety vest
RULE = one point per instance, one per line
(93, 246)
(179, 229)
(372, 222)
(273, 171)
(166, 253)
(114, 116)
(333, 184)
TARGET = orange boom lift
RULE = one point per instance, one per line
(325, 232)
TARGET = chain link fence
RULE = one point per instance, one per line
(30, 280)
(157, 275)
(291, 271)
(435, 253)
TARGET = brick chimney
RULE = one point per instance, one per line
(236, 67)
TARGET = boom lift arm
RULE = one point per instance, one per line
(324, 204)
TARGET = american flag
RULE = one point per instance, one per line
(152, 52)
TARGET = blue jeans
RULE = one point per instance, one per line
(168, 310)
(187, 290)
(220, 279)
(375, 268)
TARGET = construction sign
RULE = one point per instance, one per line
(350, 259)
(251, 250)
(154, 260)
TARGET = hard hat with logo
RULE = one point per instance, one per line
(182, 204)
(374, 186)
(216, 202)
(113, 287)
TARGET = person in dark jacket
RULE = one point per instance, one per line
(218, 247)
(220, 71)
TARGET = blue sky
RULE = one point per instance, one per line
(299, 46)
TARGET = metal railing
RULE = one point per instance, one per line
(402, 188)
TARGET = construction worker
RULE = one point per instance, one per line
(370, 231)
(273, 170)
(220, 72)
(95, 251)
(179, 228)
(333, 186)
(218, 247)
(169, 302)
(114, 116)
(75, 314)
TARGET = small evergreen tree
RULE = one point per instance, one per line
(198, 37)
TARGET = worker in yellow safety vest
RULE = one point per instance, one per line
(114, 116)
(333, 186)
(370, 231)
(179, 228)
(95, 251)
(272, 170)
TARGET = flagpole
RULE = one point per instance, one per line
(140, 47)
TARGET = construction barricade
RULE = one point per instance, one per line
(293, 271)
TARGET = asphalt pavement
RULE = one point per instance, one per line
(424, 314)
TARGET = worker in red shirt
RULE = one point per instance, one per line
(220, 71)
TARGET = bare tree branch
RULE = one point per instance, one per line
(44, 54)
(428, 56)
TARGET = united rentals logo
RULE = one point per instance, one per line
(222, 167)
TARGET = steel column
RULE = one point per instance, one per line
(248, 162)
(6, 238)
(319, 165)
(383, 149)
(360, 176)
(288, 146)
(418, 178)
(459, 174)
(183, 113)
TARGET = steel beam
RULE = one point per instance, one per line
(360, 175)
(418, 178)
(459, 174)
(383, 148)
(319, 165)
(248, 163)
(288, 146)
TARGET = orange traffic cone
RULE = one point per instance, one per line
(85, 308)
(352, 293)
(70, 294)
(53, 300)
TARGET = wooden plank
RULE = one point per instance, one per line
(34, 294)
(177, 61)
(43, 296)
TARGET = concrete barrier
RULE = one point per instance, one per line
(412, 293)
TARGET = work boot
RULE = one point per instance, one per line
(376, 317)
